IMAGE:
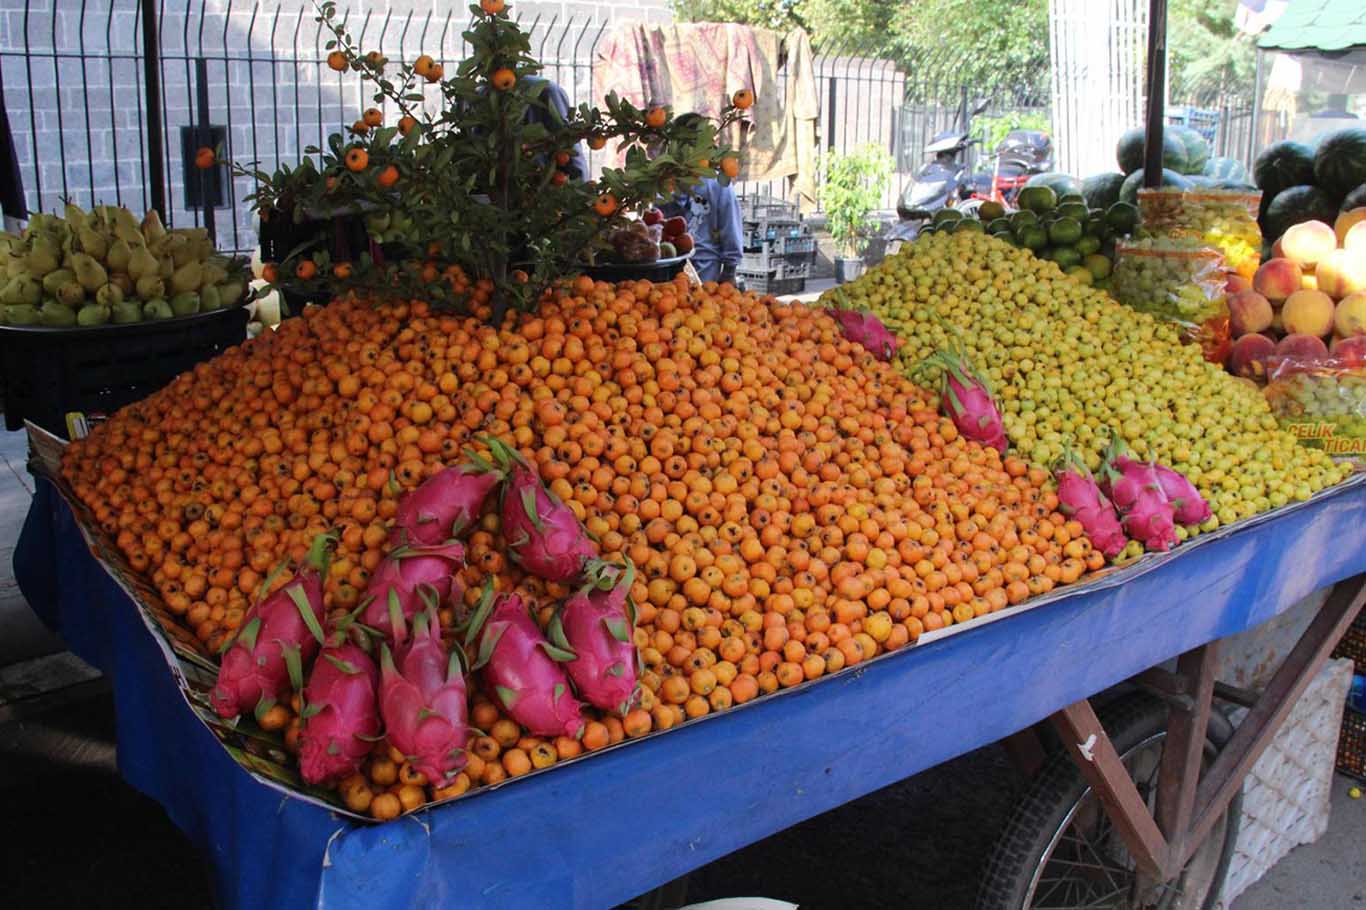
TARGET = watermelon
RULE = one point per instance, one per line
(1197, 149)
(1294, 205)
(1134, 182)
(1355, 199)
(1282, 165)
(1102, 190)
(1226, 169)
(1340, 162)
(1062, 184)
(1129, 152)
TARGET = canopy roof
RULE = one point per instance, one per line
(1318, 25)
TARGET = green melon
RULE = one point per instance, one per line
(1340, 162)
(1197, 149)
(1062, 184)
(1226, 169)
(1134, 182)
(1102, 190)
(1282, 165)
(1129, 152)
(1294, 205)
(1355, 199)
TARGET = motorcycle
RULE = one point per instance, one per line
(942, 181)
(1020, 155)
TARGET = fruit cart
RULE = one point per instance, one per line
(577, 836)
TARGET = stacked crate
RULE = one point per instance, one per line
(779, 247)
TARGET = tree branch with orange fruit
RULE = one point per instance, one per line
(480, 186)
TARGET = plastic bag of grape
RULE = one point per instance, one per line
(1322, 400)
(1223, 219)
(1178, 280)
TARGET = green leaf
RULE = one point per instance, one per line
(529, 505)
(345, 666)
(249, 632)
(507, 696)
(398, 626)
(488, 643)
(294, 664)
(262, 707)
(559, 655)
(616, 626)
(305, 609)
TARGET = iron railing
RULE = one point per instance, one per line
(253, 78)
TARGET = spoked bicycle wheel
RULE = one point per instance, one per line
(1059, 850)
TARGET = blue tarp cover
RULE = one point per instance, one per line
(596, 832)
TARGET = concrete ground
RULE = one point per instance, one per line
(90, 840)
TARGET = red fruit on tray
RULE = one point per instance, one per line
(683, 243)
(675, 227)
(652, 217)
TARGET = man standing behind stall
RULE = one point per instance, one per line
(713, 215)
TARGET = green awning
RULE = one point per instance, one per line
(1318, 25)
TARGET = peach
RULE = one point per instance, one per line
(1308, 313)
(1350, 316)
(1249, 356)
(1249, 312)
(1347, 220)
(1236, 283)
(1277, 251)
(1308, 242)
(1301, 348)
(1350, 352)
(1341, 273)
(1354, 241)
(1277, 279)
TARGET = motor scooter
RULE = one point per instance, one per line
(942, 181)
(1020, 155)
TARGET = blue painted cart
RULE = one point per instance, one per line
(559, 838)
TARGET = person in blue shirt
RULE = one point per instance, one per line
(713, 215)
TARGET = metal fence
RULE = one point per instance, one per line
(253, 79)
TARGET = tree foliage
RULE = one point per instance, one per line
(987, 43)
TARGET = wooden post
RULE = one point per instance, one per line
(1183, 752)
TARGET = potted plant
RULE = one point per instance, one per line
(854, 184)
(465, 191)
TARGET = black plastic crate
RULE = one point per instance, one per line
(768, 208)
(1352, 744)
(92, 372)
(769, 283)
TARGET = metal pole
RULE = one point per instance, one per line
(151, 76)
(1157, 92)
(205, 139)
(1256, 110)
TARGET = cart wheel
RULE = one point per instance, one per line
(1060, 852)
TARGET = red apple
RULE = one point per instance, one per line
(675, 226)
(652, 217)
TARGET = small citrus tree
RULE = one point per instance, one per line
(854, 184)
(481, 184)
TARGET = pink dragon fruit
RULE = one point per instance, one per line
(543, 535)
(1191, 508)
(866, 329)
(966, 399)
(446, 505)
(339, 722)
(407, 581)
(278, 638)
(1136, 490)
(522, 669)
(1079, 497)
(423, 702)
(595, 625)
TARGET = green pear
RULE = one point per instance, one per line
(231, 291)
(126, 312)
(94, 314)
(189, 277)
(71, 294)
(94, 243)
(53, 281)
(126, 228)
(75, 217)
(165, 267)
(142, 263)
(89, 273)
(214, 272)
(185, 303)
(57, 316)
(152, 228)
(157, 309)
(21, 290)
(210, 298)
(177, 246)
(109, 295)
(119, 255)
(123, 281)
(45, 255)
(21, 314)
(150, 287)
